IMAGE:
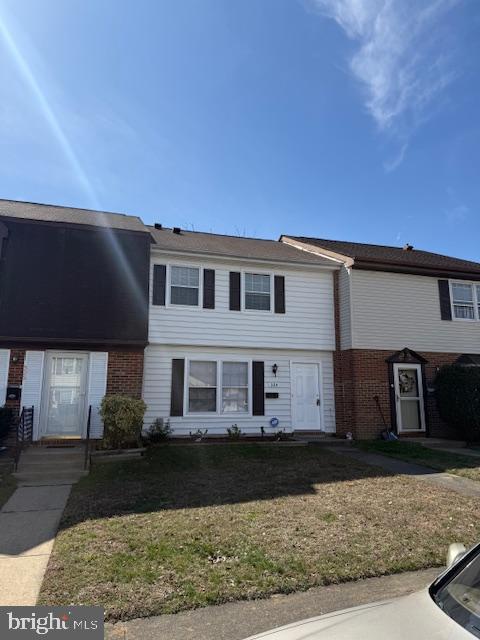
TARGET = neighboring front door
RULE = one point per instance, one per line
(410, 404)
(306, 396)
(64, 397)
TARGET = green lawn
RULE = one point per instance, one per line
(7, 487)
(197, 525)
(460, 465)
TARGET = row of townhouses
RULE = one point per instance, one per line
(299, 334)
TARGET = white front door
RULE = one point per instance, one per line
(306, 401)
(63, 404)
(410, 404)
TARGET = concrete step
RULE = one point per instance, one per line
(52, 451)
(46, 458)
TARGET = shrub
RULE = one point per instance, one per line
(159, 431)
(457, 392)
(6, 419)
(123, 420)
(234, 432)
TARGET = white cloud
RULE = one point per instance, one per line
(399, 58)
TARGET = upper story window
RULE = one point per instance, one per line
(184, 285)
(465, 301)
(257, 291)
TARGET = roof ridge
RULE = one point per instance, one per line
(64, 206)
(209, 233)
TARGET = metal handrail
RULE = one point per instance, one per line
(24, 433)
(87, 440)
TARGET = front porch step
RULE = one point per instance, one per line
(49, 467)
(38, 458)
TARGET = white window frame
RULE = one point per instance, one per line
(475, 300)
(259, 272)
(169, 302)
(218, 413)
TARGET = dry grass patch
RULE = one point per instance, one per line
(201, 525)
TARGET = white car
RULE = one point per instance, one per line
(448, 610)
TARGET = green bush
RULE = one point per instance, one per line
(159, 431)
(457, 392)
(123, 419)
(6, 418)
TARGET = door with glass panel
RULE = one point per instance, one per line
(409, 397)
(64, 396)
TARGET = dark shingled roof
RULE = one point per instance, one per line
(69, 215)
(374, 254)
(233, 246)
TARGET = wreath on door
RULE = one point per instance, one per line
(406, 382)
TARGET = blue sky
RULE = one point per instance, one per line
(347, 119)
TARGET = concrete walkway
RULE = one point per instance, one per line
(238, 620)
(29, 520)
(28, 524)
(464, 486)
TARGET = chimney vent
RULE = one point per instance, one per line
(176, 230)
(408, 247)
(158, 225)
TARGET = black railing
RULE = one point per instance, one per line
(24, 432)
(86, 463)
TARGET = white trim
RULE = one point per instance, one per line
(420, 398)
(475, 300)
(259, 272)
(218, 412)
(42, 426)
(168, 293)
(321, 416)
(5, 353)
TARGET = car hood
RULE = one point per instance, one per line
(414, 617)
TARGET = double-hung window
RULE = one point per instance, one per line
(220, 387)
(202, 386)
(257, 291)
(184, 286)
(465, 301)
(234, 387)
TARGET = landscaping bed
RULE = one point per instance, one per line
(460, 465)
(186, 527)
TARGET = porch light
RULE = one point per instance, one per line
(275, 369)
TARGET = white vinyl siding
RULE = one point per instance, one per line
(96, 388)
(157, 387)
(308, 322)
(4, 367)
(392, 311)
(32, 384)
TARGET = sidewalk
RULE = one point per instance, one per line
(238, 620)
(464, 486)
(28, 524)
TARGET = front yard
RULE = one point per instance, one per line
(460, 465)
(7, 487)
(197, 525)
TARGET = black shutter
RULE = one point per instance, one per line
(234, 291)
(279, 282)
(258, 391)
(159, 278)
(445, 307)
(208, 289)
(176, 397)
